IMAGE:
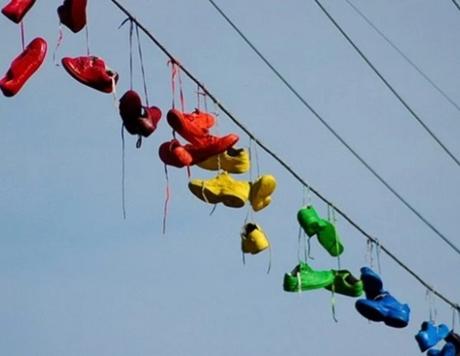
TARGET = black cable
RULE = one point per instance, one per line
(456, 4)
(408, 60)
(388, 85)
(337, 136)
(279, 160)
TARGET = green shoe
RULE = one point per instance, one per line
(310, 221)
(345, 283)
(330, 239)
(303, 278)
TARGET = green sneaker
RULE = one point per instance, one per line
(303, 278)
(330, 239)
(345, 283)
(310, 221)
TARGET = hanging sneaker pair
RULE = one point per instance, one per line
(303, 278)
(232, 160)
(448, 349)
(138, 119)
(15, 10)
(224, 189)
(194, 127)
(430, 334)
(72, 13)
(379, 304)
(253, 239)
(23, 67)
(326, 232)
(91, 71)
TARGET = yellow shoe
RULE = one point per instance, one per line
(221, 189)
(253, 239)
(261, 191)
(233, 161)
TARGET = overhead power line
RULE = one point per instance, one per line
(337, 136)
(456, 4)
(388, 85)
(279, 160)
(408, 60)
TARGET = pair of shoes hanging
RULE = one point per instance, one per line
(31, 58)
(234, 193)
(326, 232)
(253, 239)
(430, 334)
(194, 127)
(137, 118)
(379, 304)
(303, 278)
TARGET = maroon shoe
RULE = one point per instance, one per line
(193, 127)
(138, 119)
(17, 9)
(91, 71)
(23, 67)
(72, 13)
(173, 154)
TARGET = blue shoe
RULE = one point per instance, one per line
(447, 350)
(430, 334)
(373, 285)
(386, 308)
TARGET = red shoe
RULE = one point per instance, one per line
(173, 154)
(17, 9)
(211, 146)
(91, 71)
(72, 13)
(193, 127)
(23, 66)
(138, 119)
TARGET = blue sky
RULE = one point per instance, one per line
(79, 280)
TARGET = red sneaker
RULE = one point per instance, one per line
(192, 126)
(138, 119)
(23, 66)
(17, 9)
(173, 154)
(211, 146)
(72, 13)
(91, 71)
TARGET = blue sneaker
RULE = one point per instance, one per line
(386, 308)
(373, 285)
(430, 334)
(447, 350)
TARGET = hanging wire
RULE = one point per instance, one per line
(456, 4)
(388, 85)
(141, 60)
(402, 54)
(123, 172)
(336, 135)
(281, 161)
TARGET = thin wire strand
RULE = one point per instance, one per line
(141, 59)
(388, 85)
(279, 160)
(402, 54)
(456, 4)
(337, 136)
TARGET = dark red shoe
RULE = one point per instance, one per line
(17, 9)
(210, 146)
(91, 71)
(193, 127)
(23, 67)
(173, 154)
(138, 119)
(72, 13)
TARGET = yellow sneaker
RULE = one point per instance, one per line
(253, 239)
(233, 161)
(261, 191)
(221, 189)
